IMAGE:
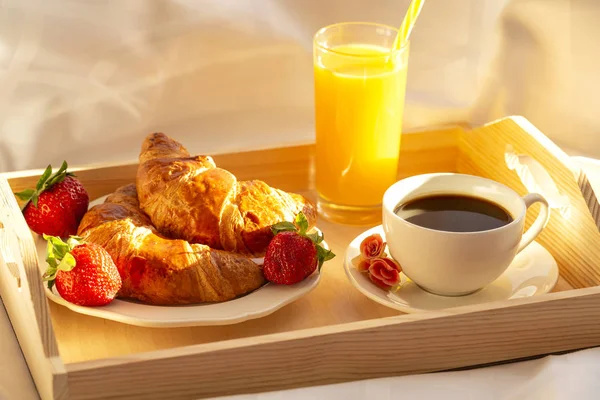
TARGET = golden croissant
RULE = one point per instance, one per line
(158, 270)
(183, 233)
(189, 197)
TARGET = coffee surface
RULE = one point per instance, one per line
(454, 213)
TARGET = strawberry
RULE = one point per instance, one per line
(84, 273)
(292, 255)
(57, 204)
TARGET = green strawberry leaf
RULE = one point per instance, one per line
(58, 256)
(50, 273)
(67, 263)
(50, 276)
(323, 255)
(299, 225)
(25, 194)
(63, 169)
(46, 181)
(59, 176)
(283, 227)
(302, 223)
(44, 178)
(316, 237)
(56, 247)
(74, 241)
(50, 256)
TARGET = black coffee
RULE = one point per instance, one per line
(454, 213)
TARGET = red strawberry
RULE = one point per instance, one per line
(57, 204)
(292, 255)
(84, 273)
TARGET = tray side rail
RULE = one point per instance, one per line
(408, 344)
(22, 291)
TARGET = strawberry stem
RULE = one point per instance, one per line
(302, 223)
(323, 255)
(284, 226)
(46, 181)
(58, 256)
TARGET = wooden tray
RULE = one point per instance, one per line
(333, 334)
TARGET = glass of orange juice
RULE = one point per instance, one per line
(360, 85)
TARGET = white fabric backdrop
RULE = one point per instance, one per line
(86, 80)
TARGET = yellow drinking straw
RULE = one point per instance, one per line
(409, 22)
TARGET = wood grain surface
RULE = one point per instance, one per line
(334, 301)
(335, 333)
(26, 305)
(482, 152)
(590, 196)
(408, 344)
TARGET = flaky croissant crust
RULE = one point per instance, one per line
(159, 270)
(189, 197)
(183, 233)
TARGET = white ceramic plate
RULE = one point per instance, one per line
(533, 272)
(259, 303)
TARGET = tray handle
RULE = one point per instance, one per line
(26, 252)
(7, 253)
(536, 179)
(514, 152)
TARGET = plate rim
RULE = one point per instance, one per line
(407, 309)
(101, 312)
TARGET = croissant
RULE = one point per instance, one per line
(189, 197)
(158, 270)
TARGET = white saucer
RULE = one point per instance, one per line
(533, 272)
(259, 303)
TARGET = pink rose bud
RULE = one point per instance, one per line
(372, 246)
(385, 272)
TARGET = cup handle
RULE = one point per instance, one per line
(536, 228)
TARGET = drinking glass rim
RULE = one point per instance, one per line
(347, 54)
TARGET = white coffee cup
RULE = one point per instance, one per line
(457, 263)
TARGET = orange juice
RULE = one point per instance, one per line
(359, 103)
